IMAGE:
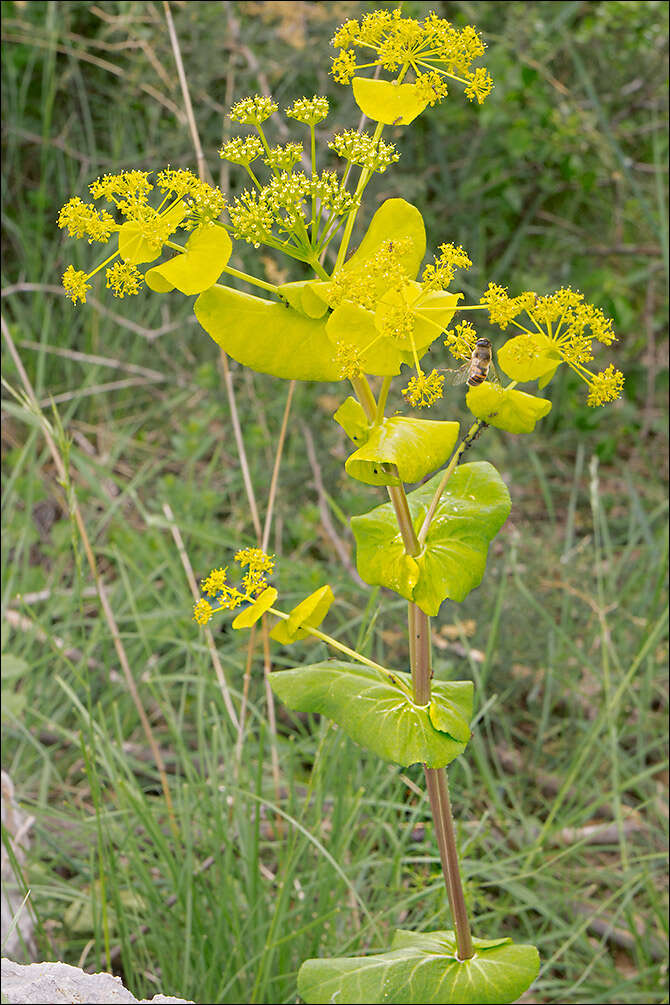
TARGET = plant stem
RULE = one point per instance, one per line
(438, 793)
(420, 658)
(436, 784)
(362, 182)
(448, 472)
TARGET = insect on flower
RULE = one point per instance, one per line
(477, 368)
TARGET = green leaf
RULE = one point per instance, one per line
(265, 336)
(377, 712)
(415, 446)
(526, 358)
(506, 408)
(354, 325)
(310, 612)
(395, 219)
(423, 968)
(305, 297)
(135, 248)
(351, 416)
(207, 251)
(251, 614)
(431, 314)
(388, 101)
(471, 511)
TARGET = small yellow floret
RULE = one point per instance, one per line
(202, 612)
(215, 582)
(75, 285)
(124, 278)
(424, 390)
(605, 386)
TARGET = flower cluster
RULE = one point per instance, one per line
(503, 308)
(124, 278)
(364, 150)
(561, 328)
(461, 342)
(284, 158)
(253, 111)
(242, 150)
(75, 285)
(432, 48)
(280, 205)
(382, 270)
(258, 564)
(310, 111)
(438, 275)
(423, 389)
(431, 87)
(190, 203)
(84, 220)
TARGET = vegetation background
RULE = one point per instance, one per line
(561, 799)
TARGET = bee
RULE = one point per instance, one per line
(476, 370)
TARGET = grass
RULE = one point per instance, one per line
(561, 797)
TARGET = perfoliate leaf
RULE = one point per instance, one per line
(395, 219)
(523, 358)
(207, 251)
(431, 314)
(378, 713)
(265, 336)
(387, 101)
(352, 324)
(134, 246)
(310, 612)
(423, 968)
(305, 297)
(471, 511)
(415, 446)
(250, 615)
(547, 377)
(351, 416)
(506, 408)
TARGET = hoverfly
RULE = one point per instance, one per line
(476, 370)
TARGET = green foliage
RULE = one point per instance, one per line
(415, 446)
(207, 251)
(376, 710)
(506, 408)
(298, 350)
(470, 513)
(424, 968)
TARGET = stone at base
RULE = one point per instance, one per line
(61, 984)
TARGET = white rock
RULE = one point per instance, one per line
(61, 984)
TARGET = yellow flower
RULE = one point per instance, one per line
(560, 329)
(253, 111)
(432, 48)
(605, 386)
(438, 275)
(75, 284)
(424, 390)
(202, 612)
(84, 220)
(124, 278)
(461, 342)
(310, 111)
(215, 582)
